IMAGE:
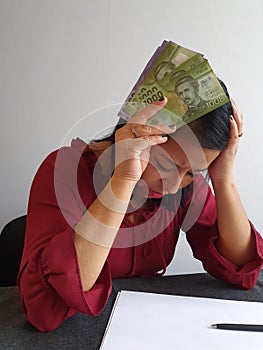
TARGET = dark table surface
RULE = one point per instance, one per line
(86, 332)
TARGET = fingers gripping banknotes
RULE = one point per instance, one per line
(187, 80)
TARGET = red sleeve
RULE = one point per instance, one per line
(202, 236)
(49, 280)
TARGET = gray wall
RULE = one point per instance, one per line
(65, 67)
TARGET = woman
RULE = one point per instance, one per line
(90, 219)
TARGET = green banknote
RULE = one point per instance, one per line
(187, 80)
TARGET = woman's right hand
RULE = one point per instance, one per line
(132, 152)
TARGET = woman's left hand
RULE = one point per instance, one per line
(221, 168)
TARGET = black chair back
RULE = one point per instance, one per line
(11, 248)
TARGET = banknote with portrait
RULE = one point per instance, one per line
(185, 77)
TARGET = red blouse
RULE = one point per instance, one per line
(49, 280)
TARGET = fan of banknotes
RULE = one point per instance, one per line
(187, 80)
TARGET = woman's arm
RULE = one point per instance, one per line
(96, 230)
(235, 242)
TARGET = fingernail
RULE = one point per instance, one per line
(161, 98)
(172, 126)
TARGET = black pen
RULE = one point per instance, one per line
(239, 327)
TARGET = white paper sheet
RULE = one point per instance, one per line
(147, 321)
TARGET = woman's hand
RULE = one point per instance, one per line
(222, 168)
(134, 140)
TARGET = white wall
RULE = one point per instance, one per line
(61, 60)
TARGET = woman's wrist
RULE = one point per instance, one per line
(122, 188)
(223, 183)
(116, 195)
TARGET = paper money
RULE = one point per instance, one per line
(187, 80)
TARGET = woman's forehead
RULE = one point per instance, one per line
(186, 153)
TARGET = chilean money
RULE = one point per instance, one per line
(185, 78)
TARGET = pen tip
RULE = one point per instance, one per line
(213, 326)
